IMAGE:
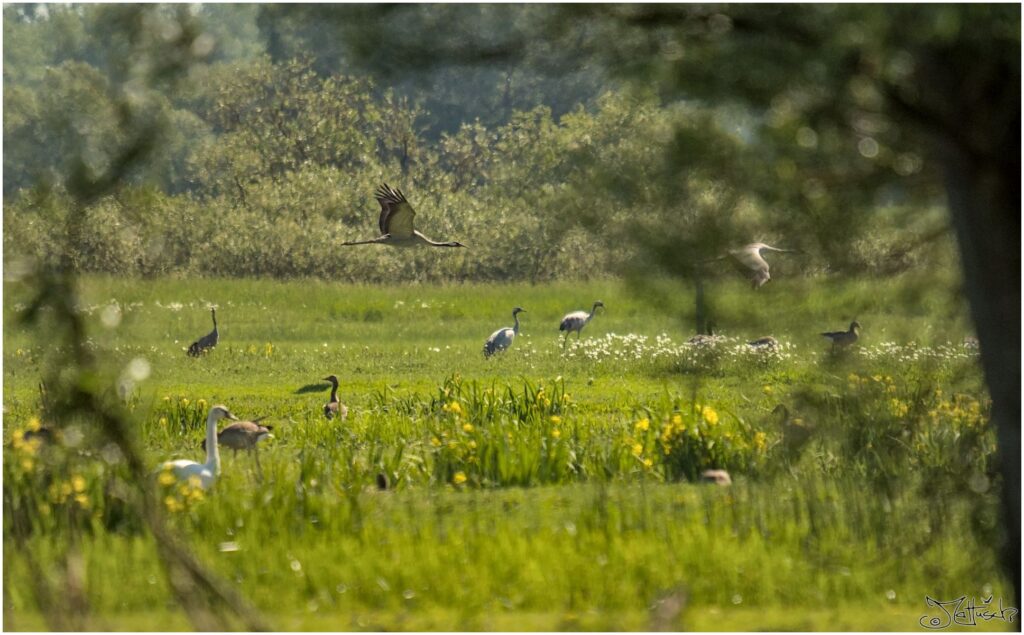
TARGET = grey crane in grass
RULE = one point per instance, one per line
(576, 320)
(207, 341)
(749, 261)
(334, 408)
(244, 435)
(396, 223)
(842, 339)
(206, 473)
(503, 337)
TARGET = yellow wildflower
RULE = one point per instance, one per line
(638, 449)
(27, 464)
(768, 390)
(163, 421)
(33, 424)
(556, 433)
(459, 478)
(435, 442)
(760, 440)
(643, 425)
(677, 419)
(201, 404)
(472, 444)
(555, 419)
(166, 478)
(83, 501)
(184, 402)
(77, 484)
(648, 463)
(455, 407)
(467, 427)
(709, 415)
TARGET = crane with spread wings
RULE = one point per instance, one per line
(396, 223)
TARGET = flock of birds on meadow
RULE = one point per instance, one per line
(397, 229)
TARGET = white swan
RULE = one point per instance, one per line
(207, 473)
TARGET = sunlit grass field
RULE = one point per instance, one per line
(542, 489)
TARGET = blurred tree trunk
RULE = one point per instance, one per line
(984, 201)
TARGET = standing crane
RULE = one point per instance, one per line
(576, 320)
(396, 223)
(334, 408)
(207, 341)
(503, 337)
(207, 473)
(842, 339)
(749, 261)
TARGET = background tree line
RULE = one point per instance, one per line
(541, 161)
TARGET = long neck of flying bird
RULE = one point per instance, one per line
(334, 390)
(515, 327)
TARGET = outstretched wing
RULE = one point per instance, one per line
(395, 212)
(749, 256)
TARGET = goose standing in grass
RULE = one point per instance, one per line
(334, 408)
(244, 435)
(842, 339)
(749, 261)
(576, 320)
(207, 341)
(396, 223)
(503, 337)
(184, 470)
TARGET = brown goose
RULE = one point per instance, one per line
(334, 408)
(842, 339)
(768, 343)
(396, 223)
(207, 341)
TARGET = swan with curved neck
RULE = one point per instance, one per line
(207, 473)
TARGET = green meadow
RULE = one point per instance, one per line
(546, 488)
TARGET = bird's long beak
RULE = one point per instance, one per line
(232, 417)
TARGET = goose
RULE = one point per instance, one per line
(396, 223)
(765, 343)
(842, 339)
(503, 337)
(207, 473)
(702, 339)
(207, 341)
(334, 408)
(749, 261)
(576, 320)
(244, 435)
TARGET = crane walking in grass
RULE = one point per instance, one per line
(749, 261)
(396, 223)
(207, 341)
(334, 408)
(244, 435)
(503, 337)
(842, 339)
(184, 470)
(576, 320)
